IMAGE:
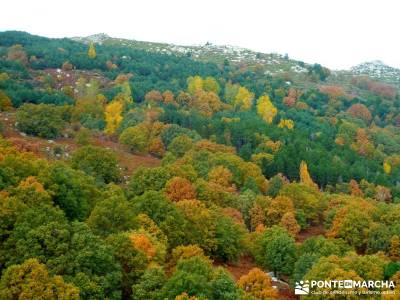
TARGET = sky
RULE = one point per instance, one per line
(335, 33)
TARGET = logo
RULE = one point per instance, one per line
(344, 287)
(302, 288)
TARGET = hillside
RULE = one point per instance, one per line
(272, 64)
(136, 170)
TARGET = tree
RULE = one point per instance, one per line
(186, 252)
(289, 222)
(113, 116)
(305, 177)
(43, 120)
(306, 199)
(67, 66)
(32, 193)
(277, 250)
(89, 106)
(243, 99)
(351, 223)
(147, 179)
(351, 266)
(387, 168)
(98, 162)
(277, 208)
(266, 109)
(150, 284)
(180, 145)
(211, 85)
(72, 190)
(165, 214)
(289, 124)
(172, 131)
(355, 189)
(154, 96)
(195, 84)
(230, 92)
(223, 285)
(330, 268)
(112, 215)
(192, 276)
(379, 237)
(31, 280)
(258, 284)
(135, 138)
(16, 52)
(5, 101)
(229, 239)
(360, 111)
(71, 250)
(206, 102)
(221, 176)
(201, 224)
(383, 194)
(133, 261)
(92, 51)
(394, 250)
(168, 97)
(178, 189)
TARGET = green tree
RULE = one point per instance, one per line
(43, 120)
(150, 285)
(132, 261)
(98, 162)
(229, 237)
(277, 250)
(147, 179)
(165, 214)
(171, 132)
(192, 276)
(180, 145)
(112, 215)
(71, 250)
(223, 286)
(72, 190)
(135, 138)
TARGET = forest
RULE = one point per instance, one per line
(130, 174)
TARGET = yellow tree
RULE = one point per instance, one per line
(92, 51)
(31, 280)
(387, 168)
(289, 124)
(244, 99)
(258, 284)
(113, 116)
(305, 176)
(266, 109)
(195, 84)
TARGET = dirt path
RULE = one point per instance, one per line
(309, 232)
